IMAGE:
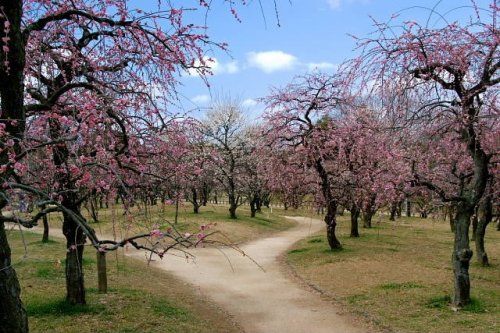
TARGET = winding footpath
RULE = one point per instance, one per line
(261, 302)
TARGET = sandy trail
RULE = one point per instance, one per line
(266, 302)
(261, 302)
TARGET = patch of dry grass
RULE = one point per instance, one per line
(113, 221)
(399, 274)
(140, 299)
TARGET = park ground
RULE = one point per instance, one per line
(397, 276)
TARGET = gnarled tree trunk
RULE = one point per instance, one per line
(354, 221)
(331, 207)
(45, 220)
(75, 240)
(461, 255)
(13, 318)
(485, 215)
(367, 218)
(393, 212)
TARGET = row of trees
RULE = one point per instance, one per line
(415, 115)
(86, 89)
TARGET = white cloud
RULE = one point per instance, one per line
(201, 99)
(321, 66)
(216, 66)
(334, 4)
(249, 103)
(271, 61)
(232, 67)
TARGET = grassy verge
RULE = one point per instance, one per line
(112, 221)
(399, 274)
(141, 299)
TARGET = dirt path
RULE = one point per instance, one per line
(266, 302)
(261, 302)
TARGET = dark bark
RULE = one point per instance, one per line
(354, 221)
(75, 240)
(462, 255)
(94, 213)
(253, 208)
(176, 217)
(331, 207)
(485, 213)
(205, 194)
(231, 194)
(394, 208)
(474, 225)
(399, 209)
(368, 211)
(45, 236)
(408, 208)
(451, 217)
(367, 218)
(331, 224)
(232, 212)
(194, 201)
(13, 318)
(258, 205)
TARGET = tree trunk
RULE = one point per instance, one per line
(253, 208)
(408, 208)
(196, 204)
(45, 221)
(354, 222)
(485, 212)
(451, 216)
(367, 218)
(102, 277)
(394, 209)
(331, 224)
(232, 211)
(461, 255)
(331, 206)
(233, 205)
(75, 240)
(13, 318)
(176, 217)
(474, 225)
(399, 208)
(258, 205)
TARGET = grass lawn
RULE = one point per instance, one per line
(141, 299)
(399, 275)
(112, 221)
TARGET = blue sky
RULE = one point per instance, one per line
(313, 34)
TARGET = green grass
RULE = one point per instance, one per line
(439, 302)
(145, 219)
(400, 286)
(399, 275)
(140, 298)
